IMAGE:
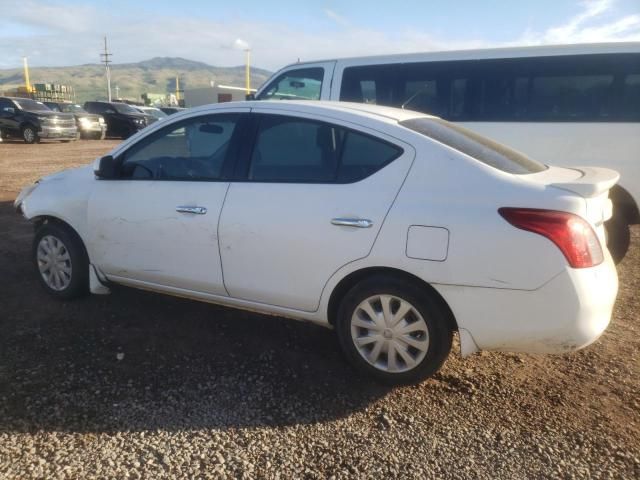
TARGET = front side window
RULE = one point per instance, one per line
(291, 149)
(301, 84)
(194, 149)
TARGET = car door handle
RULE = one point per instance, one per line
(352, 222)
(195, 210)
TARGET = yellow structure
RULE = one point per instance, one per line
(247, 73)
(26, 75)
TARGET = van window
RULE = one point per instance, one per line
(476, 146)
(300, 84)
(567, 88)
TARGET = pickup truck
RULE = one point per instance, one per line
(89, 125)
(31, 120)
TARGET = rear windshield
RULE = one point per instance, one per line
(470, 143)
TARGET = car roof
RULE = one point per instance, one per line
(323, 108)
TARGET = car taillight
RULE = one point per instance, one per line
(572, 234)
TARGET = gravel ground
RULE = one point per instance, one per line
(139, 385)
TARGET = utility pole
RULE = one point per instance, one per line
(105, 58)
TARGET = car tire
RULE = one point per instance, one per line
(61, 261)
(400, 352)
(618, 238)
(30, 134)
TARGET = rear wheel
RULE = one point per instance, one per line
(61, 261)
(30, 134)
(393, 330)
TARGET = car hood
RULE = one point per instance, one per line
(91, 116)
(79, 173)
(52, 115)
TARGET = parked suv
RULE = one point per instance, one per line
(32, 120)
(89, 125)
(122, 120)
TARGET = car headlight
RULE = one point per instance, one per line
(101, 120)
(85, 122)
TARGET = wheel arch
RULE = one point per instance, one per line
(29, 123)
(345, 284)
(40, 220)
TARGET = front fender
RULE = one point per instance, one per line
(64, 195)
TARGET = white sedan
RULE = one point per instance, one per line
(396, 228)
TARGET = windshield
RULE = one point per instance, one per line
(31, 105)
(124, 108)
(470, 143)
(155, 112)
(71, 108)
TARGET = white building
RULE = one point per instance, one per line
(214, 94)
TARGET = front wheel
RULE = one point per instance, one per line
(30, 134)
(61, 261)
(393, 330)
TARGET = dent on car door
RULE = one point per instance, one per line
(157, 223)
(313, 199)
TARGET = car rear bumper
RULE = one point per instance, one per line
(63, 133)
(567, 313)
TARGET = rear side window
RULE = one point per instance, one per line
(363, 155)
(293, 150)
(300, 84)
(470, 143)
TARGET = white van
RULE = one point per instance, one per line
(569, 105)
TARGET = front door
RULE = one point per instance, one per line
(313, 199)
(158, 222)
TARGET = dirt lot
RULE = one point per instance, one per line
(140, 385)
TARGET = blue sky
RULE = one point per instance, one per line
(69, 32)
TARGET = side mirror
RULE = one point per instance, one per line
(250, 96)
(107, 168)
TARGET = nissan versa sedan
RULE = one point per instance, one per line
(395, 228)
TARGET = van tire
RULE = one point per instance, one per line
(618, 237)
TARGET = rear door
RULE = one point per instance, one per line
(311, 81)
(311, 197)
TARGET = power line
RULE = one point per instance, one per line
(105, 58)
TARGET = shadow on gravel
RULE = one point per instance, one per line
(141, 361)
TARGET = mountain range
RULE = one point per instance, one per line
(130, 80)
